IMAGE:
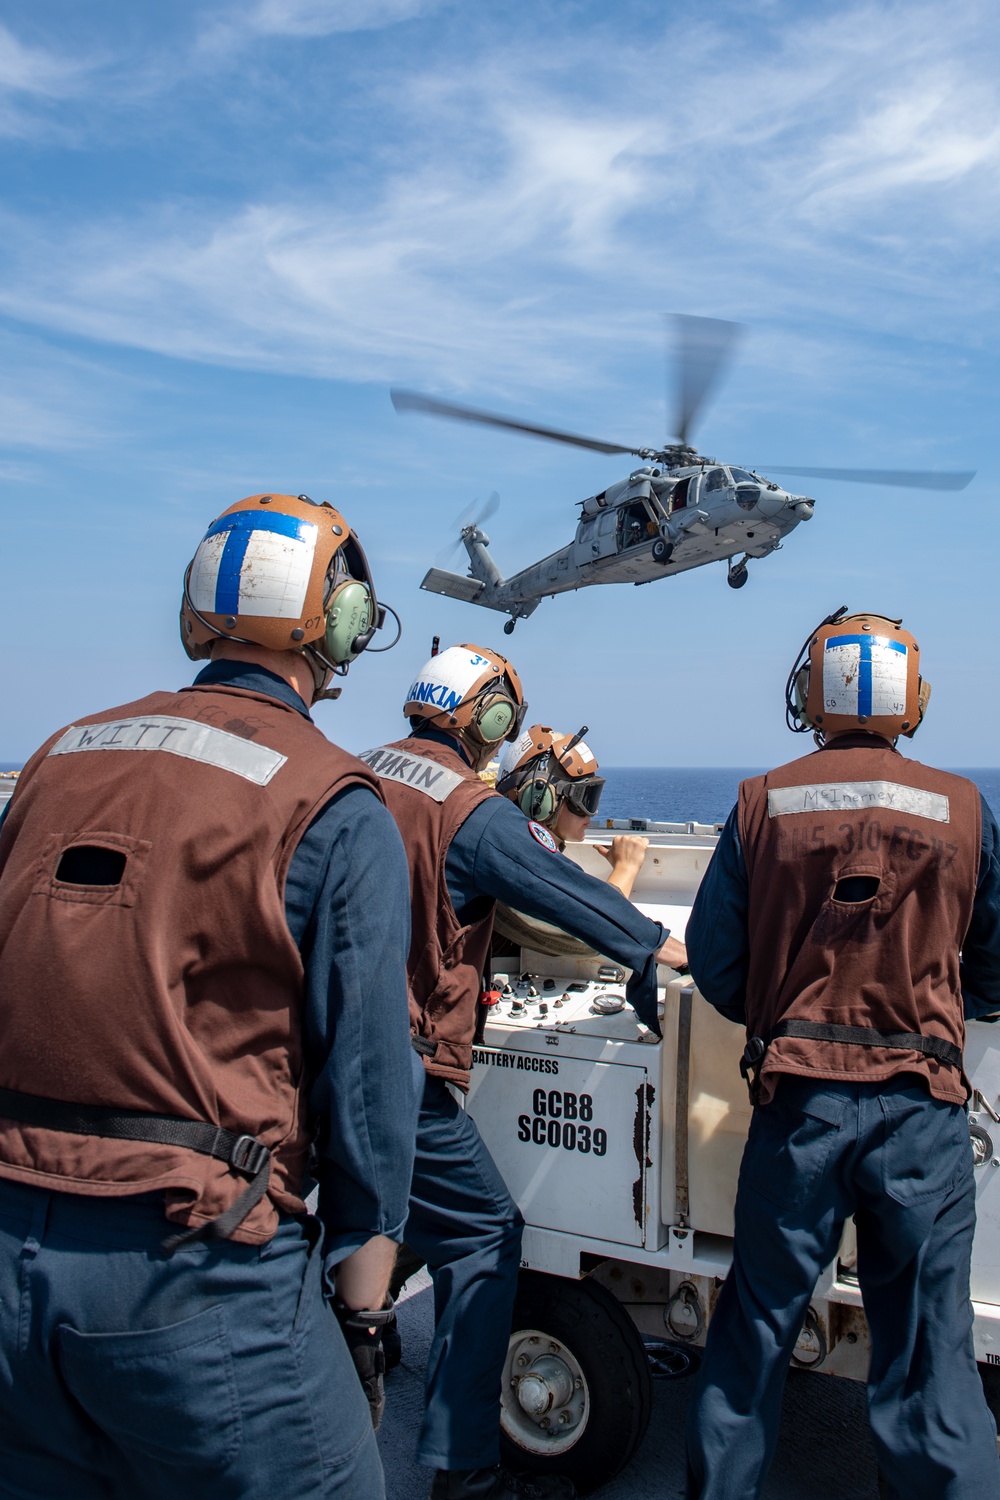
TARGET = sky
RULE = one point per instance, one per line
(227, 228)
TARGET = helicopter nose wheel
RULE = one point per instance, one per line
(737, 576)
(509, 627)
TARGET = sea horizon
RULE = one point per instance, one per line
(697, 794)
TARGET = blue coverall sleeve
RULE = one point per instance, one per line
(718, 934)
(980, 971)
(495, 854)
(347, 902)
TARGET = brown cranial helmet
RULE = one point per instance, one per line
(471, 690)
(544, 768)
(283, 572)
(861, 672)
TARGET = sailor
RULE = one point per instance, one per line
(850, 920)
(204, 921)
(553, 777)
(468, 847)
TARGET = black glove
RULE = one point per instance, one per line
(363, 1335)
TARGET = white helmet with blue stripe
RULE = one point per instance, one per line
(285, 573)
(857, 672)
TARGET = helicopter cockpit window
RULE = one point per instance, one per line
(741, 476)
(716, 479)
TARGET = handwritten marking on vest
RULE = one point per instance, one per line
(185, 737)
(857, 796)
(423, 775)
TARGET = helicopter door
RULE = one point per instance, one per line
(679, 494)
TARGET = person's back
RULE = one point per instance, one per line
(850, 919)
(172, 990)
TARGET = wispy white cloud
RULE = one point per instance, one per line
(525, 220)
(237, 26)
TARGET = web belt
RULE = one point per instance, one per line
(242, 1153)
(854, 1036)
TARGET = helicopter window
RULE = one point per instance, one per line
(636, 526)
(716, 479)
(741, 476)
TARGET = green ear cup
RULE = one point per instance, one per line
(495, 721)
(349, 615)
(537, 800)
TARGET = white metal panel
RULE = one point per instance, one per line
(569, 1135)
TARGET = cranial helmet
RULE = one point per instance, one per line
(857, 672)
(469, 689)
(286, 573)
(543, 768)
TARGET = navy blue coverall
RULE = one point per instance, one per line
(463, 1221)
(222, 1372)
(899, 1160)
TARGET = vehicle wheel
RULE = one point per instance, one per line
(509, 627)
(737, 577)
(663, 550)
(577, 1394)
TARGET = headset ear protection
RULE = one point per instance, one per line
(496, 717)
(537, 800)
(350, 622)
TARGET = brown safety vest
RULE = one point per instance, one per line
(177, 989)
(890, 962)
(430, 791)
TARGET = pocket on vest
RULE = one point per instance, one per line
(164, 1394)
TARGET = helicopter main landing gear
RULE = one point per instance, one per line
(663, 551)
(509, 627)
(737, 576)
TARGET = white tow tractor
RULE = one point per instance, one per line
(623, 1152)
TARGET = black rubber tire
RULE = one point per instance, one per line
(607, 1345)
(737, 578)
(663, 551)
(509, 627)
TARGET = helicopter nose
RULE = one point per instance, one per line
(802, 507)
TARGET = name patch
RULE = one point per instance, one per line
(185, 737)
(426, 776)
(853, 796)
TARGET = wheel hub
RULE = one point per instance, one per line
(545, 1402)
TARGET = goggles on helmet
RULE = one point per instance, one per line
(582, 797)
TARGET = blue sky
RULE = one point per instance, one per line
(226, 229)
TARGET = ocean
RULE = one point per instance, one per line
(679, 794)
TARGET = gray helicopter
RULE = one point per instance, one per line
(679, 510)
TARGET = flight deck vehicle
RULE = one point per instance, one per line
(622, 1151)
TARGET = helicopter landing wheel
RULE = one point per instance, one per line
(509, 627)
(662, 551)
(737, 577)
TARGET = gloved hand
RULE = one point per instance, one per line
(363, 1335)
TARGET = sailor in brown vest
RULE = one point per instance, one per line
(850, 920)
(468, 847)
(204, 920)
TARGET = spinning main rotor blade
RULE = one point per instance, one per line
(413, 401)
(704, 348)
(908, 479)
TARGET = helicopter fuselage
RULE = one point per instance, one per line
(658, 522)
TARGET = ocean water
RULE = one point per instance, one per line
(678, 794)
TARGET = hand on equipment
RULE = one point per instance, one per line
(674, 955)
(362, 1330)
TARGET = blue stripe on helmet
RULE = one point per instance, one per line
(865, 664)
(241, 525)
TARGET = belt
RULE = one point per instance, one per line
(755, 1051)
(242, 1153)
